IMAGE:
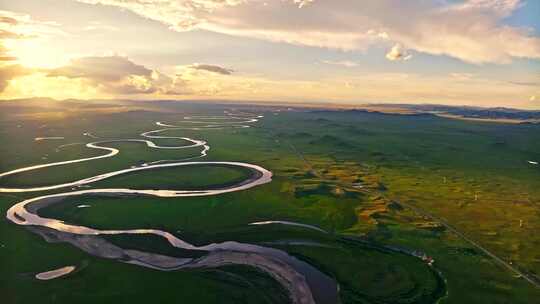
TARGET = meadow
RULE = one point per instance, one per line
(351, 173)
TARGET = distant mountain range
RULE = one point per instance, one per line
(470, 112)
(464, 112)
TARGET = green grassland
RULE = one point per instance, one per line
(350, 173)
(474, 175)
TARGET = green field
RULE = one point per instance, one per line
(379, 184)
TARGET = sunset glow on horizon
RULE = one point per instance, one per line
(456, 52)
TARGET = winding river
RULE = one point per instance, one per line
(303, 282)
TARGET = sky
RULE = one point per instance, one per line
(456, 52)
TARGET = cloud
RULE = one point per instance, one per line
(470, 30)
(5, 54)
(398, 53)
(302, 3)
(114, 74)
(526, 83)
(118, 75)
(9, 35)
(101, 69)
(344, 63)
(178, 15)
(462, 76)
(502, 8)
(8, 20)
(211, 68)
(107, 76)
(9, 72)
(350, 89)
(16, 27)
(99, 26)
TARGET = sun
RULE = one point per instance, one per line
(34, 53)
